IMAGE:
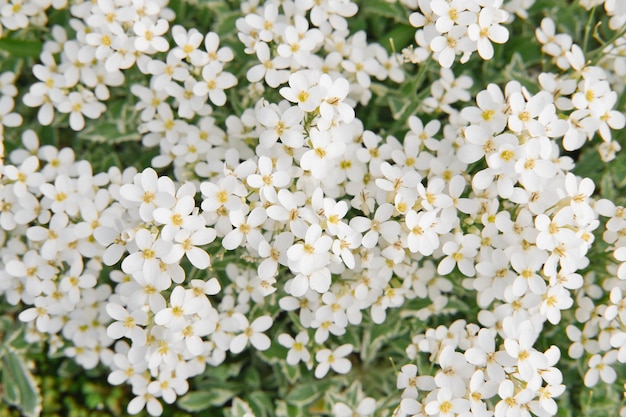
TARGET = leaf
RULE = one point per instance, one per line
(381, 8)
(619, 172)
(227, 22)
(375, 337)
(239, 408)
(526, 46)
(10, 391)
(607, 186)
(516, 70)
(195, 401)
(402, 36)
(304, 394)
(107, 132)
(222, 373)
(252, 378)
(292, 373)
(20, 386)
(275, 354)
(398, 106)
(261, 404)
(21, 48)
(201, 400)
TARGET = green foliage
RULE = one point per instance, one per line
(250, 384)
(20, 387)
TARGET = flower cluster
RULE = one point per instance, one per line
(452, 28)
(474, 371)
(75, 74)
(290, 223)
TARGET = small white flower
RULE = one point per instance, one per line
(149, 35)
(336, 360)
(297, 347)
(252, 332)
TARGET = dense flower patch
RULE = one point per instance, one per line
(308, 202)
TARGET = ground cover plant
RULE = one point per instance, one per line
(309, 208)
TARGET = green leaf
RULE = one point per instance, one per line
(382, 8)
(304, 394)
(402, 36)
(226, 22)
(619, 171)
(10, 392)
(398, 106)
(275, 354)
(201, 400)
(195, 401)
(374, 337)
(20, 387)
(607, 186)
(526, 46)
(5, 323)
(252, 378)
(222, 373)
(107, 132)
(292, 373)
(239, 408)
(261, 404)
(516, 70)
(21, 48)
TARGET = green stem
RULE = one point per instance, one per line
(588, 28)
(599, 52)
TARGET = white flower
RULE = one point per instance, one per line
(324, 149)
(528, 266)
(512, 400)
(54, 238)
(187, 242)
(365, 408)
(79, 104)
(177, 218)
(487, 29)
(556, 299)
(460, 252)
(146, 259)
(252, 332)
(600, 368)
(215, 82)
(379, 225)
(7, 118)
(336, 360)
(246, 230)
(182, 304)
(168, 386)
(455, 370)
(411, 383)
(126, 324)
(285, 126)
(123, 369)
(553, 232)
(187, 42)
(483, 354)
(265, 25)
(333, 103)
(149, 37)
(297, 347)
(25, 176)
(529, 360)
(307, 94)
(423, 227)
(272, 69)
(446, 404)
(311, 254)
(265, 178)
